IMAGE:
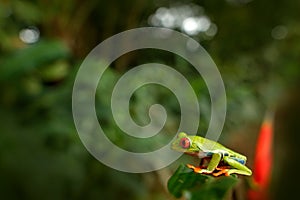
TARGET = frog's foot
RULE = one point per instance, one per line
(195, 169)
(222, 170)
(198, 169)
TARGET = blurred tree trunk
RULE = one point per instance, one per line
(286, 148)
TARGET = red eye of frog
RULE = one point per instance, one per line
(185, 143)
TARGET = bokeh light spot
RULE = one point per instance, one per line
(29, 35)
(279, 32)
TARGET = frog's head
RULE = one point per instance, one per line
(185, 143)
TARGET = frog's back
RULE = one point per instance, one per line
(210, 145)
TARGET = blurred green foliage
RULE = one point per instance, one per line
(41, 156)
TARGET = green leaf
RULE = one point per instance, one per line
(199, 186)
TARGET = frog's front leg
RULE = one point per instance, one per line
(212, 165)
(237, 167)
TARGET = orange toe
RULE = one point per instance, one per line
(196, 169)
(222, 171)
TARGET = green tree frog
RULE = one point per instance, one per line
(221, 159)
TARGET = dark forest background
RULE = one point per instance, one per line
(255, 44)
